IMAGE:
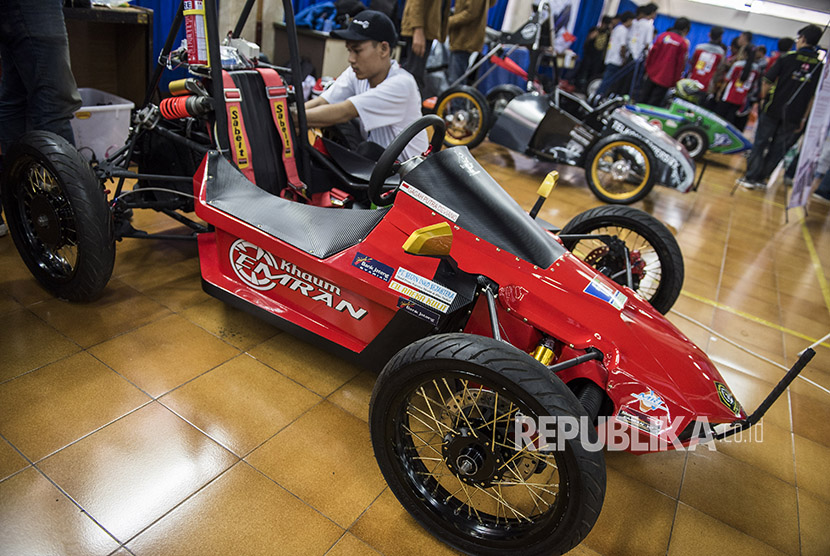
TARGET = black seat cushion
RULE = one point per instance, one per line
(318, 231)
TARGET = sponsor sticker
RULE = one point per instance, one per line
(418, 296)
(606, 293)
(636, 419)
(373, 266)
(419, 195)
(425, 285)
(238, 139)
(261, 270)
(650, 400)
(727, 398)
(415, 308)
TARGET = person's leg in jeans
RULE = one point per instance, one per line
(459, 60)
(781, 141)
(416, 65)
(608, 79)
(764, 134)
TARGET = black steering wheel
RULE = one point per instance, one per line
(386, 162)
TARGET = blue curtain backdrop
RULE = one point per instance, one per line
(163, 13)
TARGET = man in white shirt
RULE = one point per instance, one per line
(641, 34)
(617, 53)
(374, 88)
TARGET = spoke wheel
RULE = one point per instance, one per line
(620, 169)
(58, 216)
(653, 254)
(467, 115)
(444, 428)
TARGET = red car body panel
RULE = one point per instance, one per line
(649, 367)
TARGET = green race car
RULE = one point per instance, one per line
(695, 127)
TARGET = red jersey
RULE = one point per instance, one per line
(771, 60)
(736, 91)
(667, 59)
(705, 61)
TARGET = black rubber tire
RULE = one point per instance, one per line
(469, 102)
(496, 367)
(71, 212)
(619, 143)
(622, 221)
(499, 96)
(695, 140)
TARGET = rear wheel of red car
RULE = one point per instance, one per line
(653, 254)
(465, 111)
(695, 140)
(58, 216)
(443, 422)
(620, 169)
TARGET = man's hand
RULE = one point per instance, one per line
(418, 42)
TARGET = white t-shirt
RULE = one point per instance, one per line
(640, 37)
(619, 38)
(384, 111)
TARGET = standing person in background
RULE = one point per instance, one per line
(37, 88)
(707, 57)
(786, 97)
(640, 38)
(423, 21)
(784, 45)
(617, 52)
(466, 30)
(666, 62)
(738, 83)
(593, 53)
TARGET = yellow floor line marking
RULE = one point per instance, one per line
(753, 318)
(811, 248)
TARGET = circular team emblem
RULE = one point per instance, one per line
(656, 123)
(254, 265)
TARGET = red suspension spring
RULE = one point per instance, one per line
(174, 108)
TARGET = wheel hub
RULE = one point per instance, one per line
(45, 220)
(471, 459)
(620, 169)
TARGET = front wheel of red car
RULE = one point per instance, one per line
(445, 420)
(58, 216)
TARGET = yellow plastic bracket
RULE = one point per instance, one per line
(432, 240)
(547, 186)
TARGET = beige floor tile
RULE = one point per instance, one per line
(152, 258)
(236, 327)
(724, 353)
(635, 519)
(308, 365)
(241, 500)
(743, 497)
(815, 533)
(349, 545)
(8, 304)
(241, 403)
(354, 396)
(694, 532)
(387, 527)
(10, 460)
(45, 410)
(812, 463)
(765, 446)
(164, 354)
(119, 310)
(325, 457)
(811, 413)
(748, 333)
(18, 283)
(28, 343)
(134, 471)
(38, 519)
(662, 471)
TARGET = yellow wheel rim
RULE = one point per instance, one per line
(463, 114)
(620, 170)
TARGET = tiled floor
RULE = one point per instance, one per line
(160, 421)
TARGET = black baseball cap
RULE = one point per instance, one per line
(369, 25)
